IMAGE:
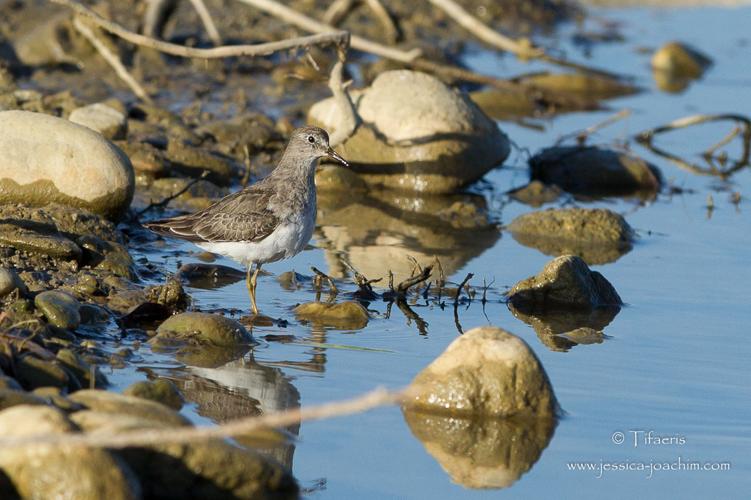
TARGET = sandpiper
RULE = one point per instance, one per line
(267, 221)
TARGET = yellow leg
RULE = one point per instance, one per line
(251, 282)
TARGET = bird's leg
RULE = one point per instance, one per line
(250, 282)
(252, 287)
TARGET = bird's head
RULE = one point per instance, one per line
(314, 142)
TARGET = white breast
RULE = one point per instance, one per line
(287, 240)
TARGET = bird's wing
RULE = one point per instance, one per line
(241, 216)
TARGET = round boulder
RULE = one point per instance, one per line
(485, 372)
(44, 159)
(416, 134)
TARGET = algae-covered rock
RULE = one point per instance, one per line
(101, 118)
(417, 134)
(206, 328)
(60, 309)
(565, 281)
(482, 452)
(208, 469)
(536, 194)
(81, 369)
(594, 171)
(44, 242)
(596, 235)
(587, 84)
(38, 153)
(196, 470)
(33, 372)
(486, 372)
(349, 314)
(161, 390)
(110, 402)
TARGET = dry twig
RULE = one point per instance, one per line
(111, 59)
(490, 36)
(337, 37)
(165, 201)
(302, 21)
(208, 22)
(150, 437)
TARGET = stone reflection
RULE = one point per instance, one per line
(378, 231)
(243, 388)
(560, 330)
(482, 453)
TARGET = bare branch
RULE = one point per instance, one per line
(150, 437)
(309, 24)
(112, 59)
(208, 22)
(349, 119)
(331, 37)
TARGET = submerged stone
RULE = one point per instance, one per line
(344, 315)
(680, 60)
(594, 171)
(565, 281)
(487, 372)
(161, 390)
(596, 235)
(38, 152)
(417, 134)
(198, 327)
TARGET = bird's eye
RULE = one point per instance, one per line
(311, 139)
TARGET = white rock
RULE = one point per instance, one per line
(417, 134)
(101, 118)
(44, 159)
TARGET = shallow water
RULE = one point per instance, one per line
(675, 360)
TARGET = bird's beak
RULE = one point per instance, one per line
(330, 153)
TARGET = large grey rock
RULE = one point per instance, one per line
(44, 159)
(101, 118)
(417, 134)
(30, 420)
(565, 281)
(487, 372)
(597, 235)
